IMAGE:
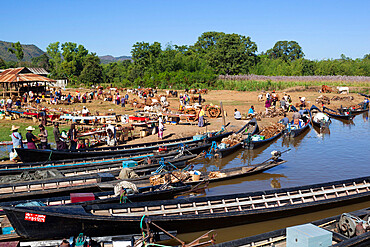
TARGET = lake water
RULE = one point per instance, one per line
(314, 158)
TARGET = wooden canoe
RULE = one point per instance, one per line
(224, 174)
(279, 237)
(185, 215)
(256, 144)
(37, 155)
(313, 111)
(75, 181)
(251, 128)
(338, 115)
(298, 131)
(31, 167)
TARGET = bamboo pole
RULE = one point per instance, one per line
(222, 114)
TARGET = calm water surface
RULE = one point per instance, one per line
(315, 157)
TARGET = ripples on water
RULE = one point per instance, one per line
(341, 153)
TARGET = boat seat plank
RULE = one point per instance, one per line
(209, 207)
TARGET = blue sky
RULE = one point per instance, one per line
(324, 29)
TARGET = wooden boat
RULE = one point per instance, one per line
(346, 115)
(79, 180)
(320, 123)
(147, 193)
(185, 215)
(294, 130)
(360, 108)
(250, 128)
(222, 175)
(333, 224)
(250, 144)
(365, 95)
(143, 161)
(36, 155)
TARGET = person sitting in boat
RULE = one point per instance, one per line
(237, 114)
(366, 103)
(31, 138)
(111, 135)
(58, 138)
(296, 116)
(284, 120)
(251, 111)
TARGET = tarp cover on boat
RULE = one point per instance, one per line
(28, 176)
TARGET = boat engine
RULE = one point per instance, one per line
(275, 155)
(351, 226)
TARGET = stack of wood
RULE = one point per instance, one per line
(232, 140)
(323, 100)
(273, 112)
(216, 174)
(162, 179)
(272, 130)
(344, 98)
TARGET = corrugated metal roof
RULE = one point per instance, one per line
(39, 71)
(22, 75)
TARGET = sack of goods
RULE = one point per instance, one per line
(258, 138)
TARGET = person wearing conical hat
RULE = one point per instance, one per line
(16, 137)
(31, 138)
(17, 143)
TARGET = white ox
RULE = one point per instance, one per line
(342, 90)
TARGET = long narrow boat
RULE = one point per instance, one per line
(221, 175)
(58, 186)
(250, 144)
(35, 155)
(358, 109)
(141, 159)
(147, 193)
(185, 215)
(334, 225)
(346, 115)
(294, 131)
(318, 118)
(250, 128)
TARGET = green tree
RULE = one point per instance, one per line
(287, 50)
(41, 61)
(207, 42)
(232, 54)
(92, 72)
(17, 49)
(2, 64)
(55, 58)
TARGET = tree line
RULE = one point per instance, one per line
(197, 65)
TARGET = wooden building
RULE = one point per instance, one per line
(20, 80)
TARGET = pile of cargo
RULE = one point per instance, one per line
(343, 98)
(216, 174)
(272, 130)
(232, 140)
(323, 100)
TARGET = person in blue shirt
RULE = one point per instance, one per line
(302, 111)
(285, 120)
(16, 137)
(251, 110)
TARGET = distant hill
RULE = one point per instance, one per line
(29, 51)
(111, 59)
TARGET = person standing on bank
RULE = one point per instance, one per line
(58, 139)
(16, 137)
(201, 117)
(200, 99)
(31, 138)
(72, 135)
(43, 137)
(160, 128)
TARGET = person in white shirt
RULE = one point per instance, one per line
(85, 111)
(237, 114)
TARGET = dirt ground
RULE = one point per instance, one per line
(231, 100)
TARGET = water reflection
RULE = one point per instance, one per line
(321, 132)
(365, 116)
(294, 142)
